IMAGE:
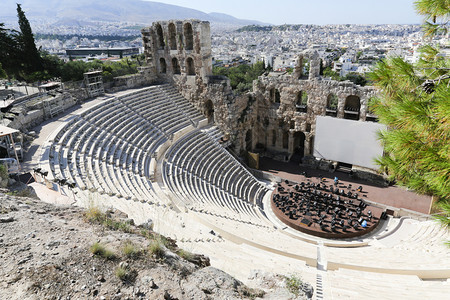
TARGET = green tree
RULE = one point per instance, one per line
(414, 104)
(356, 79)
(9, 51)
(2, 72)
(242, 76)
(436, 16)
(31, 57)
(328, 72)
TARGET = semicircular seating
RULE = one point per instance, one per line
(111, 148)
(206, 177)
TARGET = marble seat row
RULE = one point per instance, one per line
(205, 176)
(111, 147)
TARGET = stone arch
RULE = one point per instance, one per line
(332, 101)
(159, 33)
(275, 95)
(313, 59)
(190, 68)
(249, 140)
(175, 66)
(299, 146)
(286, 139)
(162, 66)
(209, 111)
(352, 107)
(188, 36)
(172, 37)
(332, 105)
(301, 101)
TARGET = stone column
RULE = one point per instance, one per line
(279, 141)
(340, 107)
(308, 145)
(363, 109)
(291, 141)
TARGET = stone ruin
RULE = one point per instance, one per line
(277, 117)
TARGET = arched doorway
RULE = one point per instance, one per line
(188, 37)
(299, 146)
(285, 139)
(209, 111)
(352, 107)
(160, 35)
(162, 66)
(248, 140)
(172, 37)
(190, 69)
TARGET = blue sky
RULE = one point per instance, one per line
(311, 11)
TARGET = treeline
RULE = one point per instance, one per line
(242, 76)
(21, 60)
(73, 70)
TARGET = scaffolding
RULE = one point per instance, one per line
(94, 83)
(53, 105)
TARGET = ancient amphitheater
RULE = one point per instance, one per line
(156, 153)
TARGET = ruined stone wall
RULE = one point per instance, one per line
(144, 77)
(281, 124)
(278, 116)
(179, 52)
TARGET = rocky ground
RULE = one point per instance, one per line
(65, 252)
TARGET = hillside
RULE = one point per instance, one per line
(135, 11)
(65, 252)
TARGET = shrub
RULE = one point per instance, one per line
(99, 250)
(94, 215)
(185, 254)
(122, 273)
(156, 248)
(293, 284)
(130, 250)
(125, 274)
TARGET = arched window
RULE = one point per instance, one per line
(172, 37)
(301, 101)
(190, 69)
(275, 95)
(160, 35)
(188, 37)
(162, 66)
(332, 101)
(352, 107)
(175, 66)
(332, 104)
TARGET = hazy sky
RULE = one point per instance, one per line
(311, 11)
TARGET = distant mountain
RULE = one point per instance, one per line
(135, 11)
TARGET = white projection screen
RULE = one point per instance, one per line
(348, 141)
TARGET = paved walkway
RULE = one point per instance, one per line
(392, 195)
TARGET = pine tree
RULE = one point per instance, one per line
(414, 104)
(31, 57)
